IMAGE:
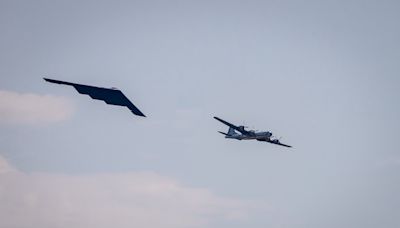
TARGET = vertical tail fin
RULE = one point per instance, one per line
(231, 131)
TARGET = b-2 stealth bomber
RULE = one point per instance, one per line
(111, 96)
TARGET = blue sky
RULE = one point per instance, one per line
(321, 74)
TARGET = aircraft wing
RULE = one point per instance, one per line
(110, 96)
(239, 129)
(279, 143)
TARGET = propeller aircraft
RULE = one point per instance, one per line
(244, 134)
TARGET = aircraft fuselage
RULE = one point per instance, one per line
(261, 136)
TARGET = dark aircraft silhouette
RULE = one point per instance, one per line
(110, 96)
(247, 135)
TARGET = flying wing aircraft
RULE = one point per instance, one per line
(110, 96)
(247, 135)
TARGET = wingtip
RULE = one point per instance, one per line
(54, 81)
(139, 114)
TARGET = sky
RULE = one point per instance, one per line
(323, 75)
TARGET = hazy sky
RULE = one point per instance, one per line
(324, 75)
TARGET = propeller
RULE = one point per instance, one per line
(244, 125)
(275, 139)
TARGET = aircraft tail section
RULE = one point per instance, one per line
(231, 131)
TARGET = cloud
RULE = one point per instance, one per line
(18, 108)
(5, 167)
(136, 199)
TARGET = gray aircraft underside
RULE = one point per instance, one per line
(248, 135)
